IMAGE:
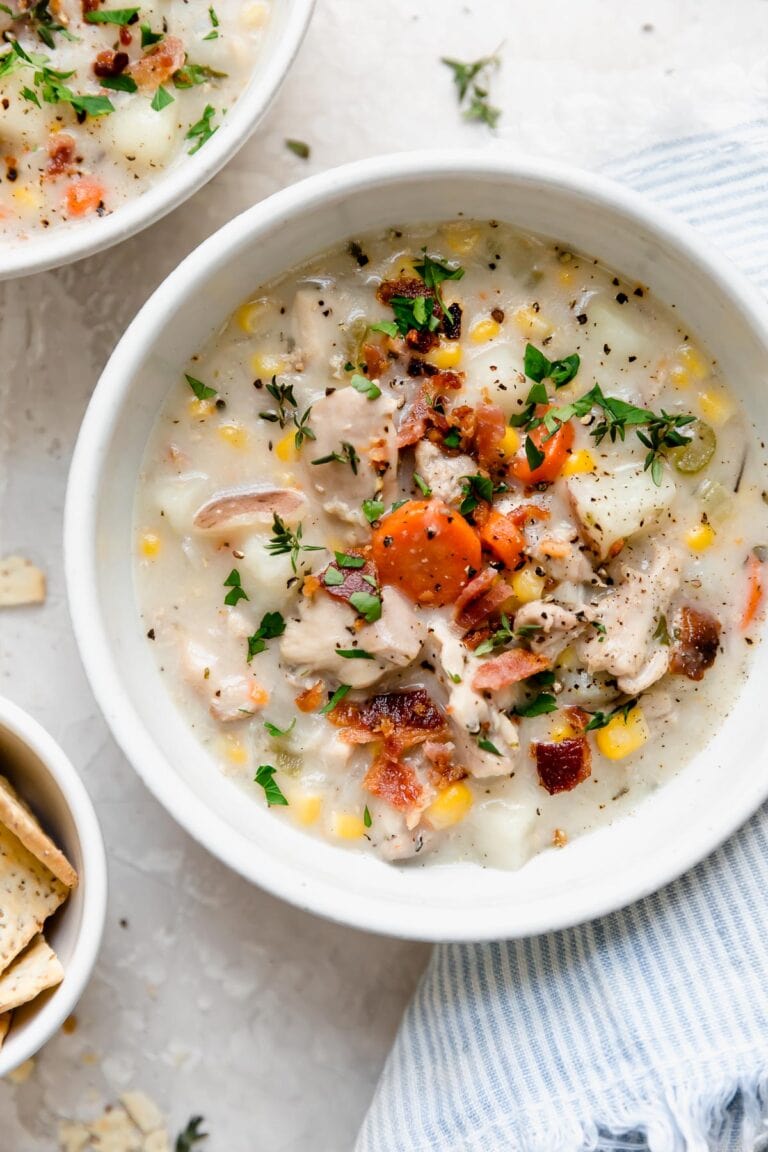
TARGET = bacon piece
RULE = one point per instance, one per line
(563, 765)
(480, 599)
(525, 512)
(311, 698)
(353, 579)
(375, 360)
(415, 423)
(394, 781)
(61, 154)
(509, 668)
(697, 640)
(452, 322)
(401, 719)
(577, 718)
(421, 340)
(443, 769)
(110, 63)
(446, 381)
(490, 429)
(407, 286)
(158, 64)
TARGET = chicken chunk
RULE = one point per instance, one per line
(360, 431)
(621, 639)
(555, 626)
(443, 473)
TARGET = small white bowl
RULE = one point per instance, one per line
(288, 24)
(673, 828)
(46, 780)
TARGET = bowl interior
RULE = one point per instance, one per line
(668, 831)
(43, 777)
(288, 23)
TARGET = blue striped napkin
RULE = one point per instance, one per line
(648, 1029)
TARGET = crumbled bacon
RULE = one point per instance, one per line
(158, 63)
(452, 322)
(408, 287)
(490, 429)
(375, 360)
(311, 698)
(353, 579)
(89, 6)
(443, 769)
(61, 153)
(415, 423)
(394, 781)
(421, 340)
(110, 63)
(402, 719)
(483, 596)
(525, 512)
(697, 640)
(563, 765)
(509, 668)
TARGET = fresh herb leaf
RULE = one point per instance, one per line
(349, 560)
(367, 820)
(454, 677)
(471, 80)
(336, 698)
(354, 654)
(537, 395)
(285, 541)
(373, 510)
(191, 1135)
(193, 75)
(299, 148)
(487, 746)
(366, 387)
(161, 99)
(368, 604)
(601, 719)
(434, 273)
(347, 455)
(148, 37)
(112, 16)
(332, 578)
(272, 625)
(452, 439)
(533, 454)
(388, 327)
(121, 83)
(539, 706)
(422, 485)
(535, 364)
(497, 639)
(417, 313)
(277, 733)
(213, 34)
(537, 367)
(265, 774)
(41, 21)
(476, 489)
(662, 632)
(202, 391)
(236, 592)
(28, 94)
(202, 130)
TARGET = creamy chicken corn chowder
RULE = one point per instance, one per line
(99, 99)
(449, 544)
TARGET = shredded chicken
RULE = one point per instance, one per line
(442, 473)
(555, 626)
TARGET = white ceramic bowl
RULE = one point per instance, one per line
(289, 22)
(45, 778)
(672, 829)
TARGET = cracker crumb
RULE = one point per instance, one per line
(20, 583)
(559, 838)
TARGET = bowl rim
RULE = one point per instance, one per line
(178, 183)
(47, 1021)
(390, 917)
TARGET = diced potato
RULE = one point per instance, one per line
(615, 505)
(504, 832)
(146, 137)
(614, 325)
(494, 364)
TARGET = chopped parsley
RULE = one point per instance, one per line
(537, 395)
(332, 578)
(161, 99)
(272, 625)
(472, 87)
(388, 327)
(265, 776)
(277, 733)
(112, 16)
(539, 706)
(193, 75)
(497, 639)
(417, 313)
(354, 654)
(349, 560)
(366, 387)
(202, 391)
(434, 272)
(533, 454)
(476, 489)
(214, 33)
(121, 83)
(287, 541)
(148, 37)
(537, 367)
(347, 455)
(186, 1140)
(367, 819)
(336, 698)
(662, 632)
(373, 510)
(41, 21)
(368, 604)
(601, 719)
(422, 485)
(236, 592)
(299, 148)
(487, 746)
(202, 130)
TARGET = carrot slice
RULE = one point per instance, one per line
(501, 537)
(427, 550)
(755, 590)
(84, 195)
(555, 449)
(510, 668)
(491, 427)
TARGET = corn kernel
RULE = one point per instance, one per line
(622, 737)
(285, 449)
(200, 409)
(693, 361)
(249, 315)
(527, 585)
(461, 237)
(510, 442)
(700, 538)
(27, 197)
(715, 407)
(451, 805)
(679, 376)
(483, 331)
(347, 826)
(265, 365)
(258, 696)
(256, 15)
(235, 751)
(150, 545)
(568, 659)
(578, 462)
(305, 807)
(561, 730)
(234, 434)
(531, 322)
(447, 355)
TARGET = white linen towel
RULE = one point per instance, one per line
(649, 1028)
